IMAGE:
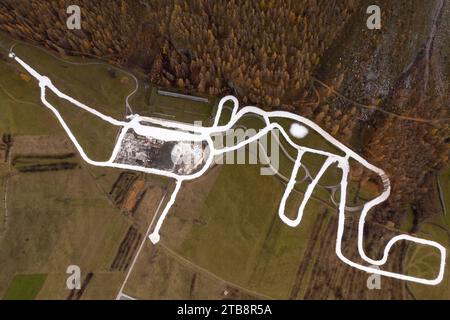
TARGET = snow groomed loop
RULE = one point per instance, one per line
(196, 133)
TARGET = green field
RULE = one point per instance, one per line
(180, 109)
(423, 261)
(96, 136)
(20, 107)
(173, 277)
(25, 287)
(58, 218)
(94, 83)
(239, 236)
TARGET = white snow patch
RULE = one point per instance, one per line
(298, 131)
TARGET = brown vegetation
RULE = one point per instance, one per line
(76, 294)
(264, 51)
(5, 145)
(121, 186)
(127, 249)
(134, 195)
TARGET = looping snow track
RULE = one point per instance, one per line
(171, 131)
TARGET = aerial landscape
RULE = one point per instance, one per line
(224, 150)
